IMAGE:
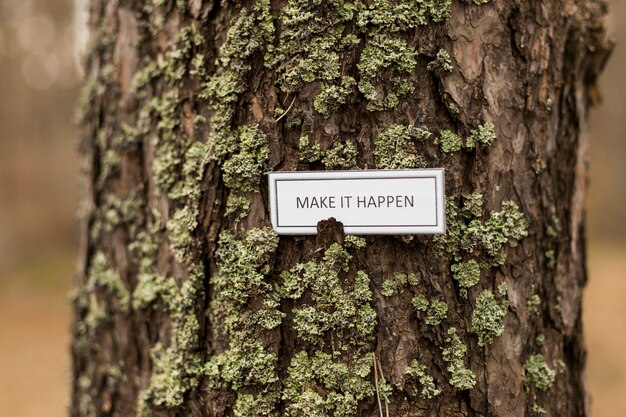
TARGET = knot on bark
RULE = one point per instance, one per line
(328, 232)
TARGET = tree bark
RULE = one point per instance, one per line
(189, 304)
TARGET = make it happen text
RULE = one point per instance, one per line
(349, 201)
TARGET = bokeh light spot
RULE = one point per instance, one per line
(36, 33)
(40, 70)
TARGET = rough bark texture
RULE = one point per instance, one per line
(189, 304)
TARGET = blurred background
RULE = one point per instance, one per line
(39, 82)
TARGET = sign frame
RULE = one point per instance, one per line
(438, 174)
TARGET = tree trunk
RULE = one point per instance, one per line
(189, 303)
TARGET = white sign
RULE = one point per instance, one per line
(366, 202)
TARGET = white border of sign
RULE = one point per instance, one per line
(437, 174)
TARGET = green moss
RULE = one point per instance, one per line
(437, 312)
(188, 188)
(180, 227)
(538, 372)
(333, 95)
(466, 273)
(391, 16)
(477, 2)
(223, 90)
(540, 340)
(502, 289)
(178, 59)
(341, 156)
(296, 280)
(385, 390)
(486, 321)
(150, 287)
(130, 137)
(467, 234)
(504, 227)
(313, 34)
(198, 64)
(167, 144)
(343, 311)
(420, 303)
(245, 363)
(107, 73)
(165, 165)
(237, 206)
(396, 147)
(439, 9)
(101, 275)
(390, 288)
(387, 60)
(483, 135)
(269, 316)
(88, 94)
(454, 355)
(261, 405)
(145, 245)
(550, 258)
(307, 403)
(243, 169)
(294, 119)
(313, 322)
(442, 62)
(395, 285)
(554, 228)
(533, 304)
(181, 305)
(385, 52)
(156, 11)
(113, 212)
(109, 166)
(308, 151)
(418, 371)
(456, 238)
(166, 109)
(448, 141)
(343, 386)
(95, 313)
(168, 384)
(248, 36)
(537, 409)
(85, 404)
(336, 257)
(411, 278)
(240, 262)
(176, 368)
(472, 205)
(355, 242)
(549, 104)
(186, 331)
